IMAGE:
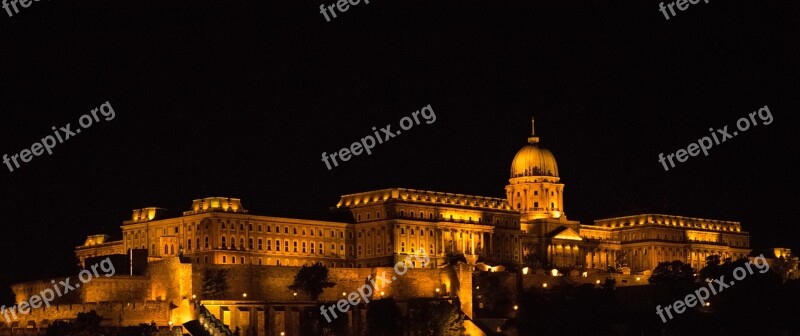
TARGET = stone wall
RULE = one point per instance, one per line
(270, 283)
(131, 314)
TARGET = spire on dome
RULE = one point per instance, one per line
(533, 139)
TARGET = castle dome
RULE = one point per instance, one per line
(533, 160)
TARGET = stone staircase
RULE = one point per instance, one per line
(211, 325)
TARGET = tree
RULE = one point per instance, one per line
(785, 267)
(384, 318)
(436, 318)
(312, 280)
(214, 284)
(712, 269)
(672, 273)
(532, 260)
(453, 258)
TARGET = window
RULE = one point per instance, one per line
(535, 205)
(285, 230)
(176, 229)
(402, 231)
(304, 247)
(312, 248)
(286, 245)
(358, 217)
(359, 249)
(277, 245)
(402, 247)
(241, 227)
(250, 227)
(294, 246)
(402, 213)
(224, 259)
(206, 242)
(243, 261)
(269, 228)
(368, 216)
(189, 244)
(333, 234)
(311, 232)
(241, 243)
(233, 260)
(378, 215)
(166, 249)
(294, 230)
(260, 244)
(304, 232)
(536, 192)
(277, 229)
(223, 225)
(411, 231)
(319, 233)
(250, 243)
(223, 242)
(259, 230)
(259, 261)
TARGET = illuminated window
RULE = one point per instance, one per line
(286, 245)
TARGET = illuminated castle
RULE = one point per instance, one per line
(384, 227)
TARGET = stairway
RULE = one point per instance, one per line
(207, 325)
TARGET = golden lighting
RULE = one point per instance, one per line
(708, 304)
(638, 278)
(382, 293)
(585, 274)
(343, 294)
(295, 294)
(437, 290)
(516, 307)
(525, 271)
(244, 295)
(194, 296)
(544, 285)
(554, 272)
(597, 282)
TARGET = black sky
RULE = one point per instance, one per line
(240, 98)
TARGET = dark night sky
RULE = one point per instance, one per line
(240, 99)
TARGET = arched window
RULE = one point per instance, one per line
(166, 249)
(233, 260)
(402, 231)
(223, 242)
(189, 244)
(241, 243)
(403, 247)
(224, 259)
(206, 242)
(277, 262)
(536, 204)
(552, 205)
